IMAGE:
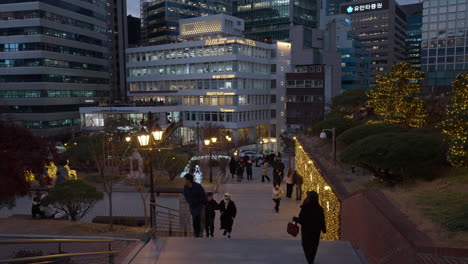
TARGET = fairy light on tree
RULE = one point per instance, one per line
(395, 96)
(456, 124)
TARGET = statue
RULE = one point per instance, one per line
(197, 175)
(72, 175)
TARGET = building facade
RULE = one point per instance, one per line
(444, 42)
(134, 31)
(53, 59)
(413, 34)
(118, 42)
(305, 97)
(214, 77)
(380, 27)
(160, 18)
(268, 20)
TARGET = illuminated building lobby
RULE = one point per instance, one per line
(213, 76)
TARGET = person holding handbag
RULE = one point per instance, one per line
(277, 193)
(312, 221)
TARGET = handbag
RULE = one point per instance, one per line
(293, 229)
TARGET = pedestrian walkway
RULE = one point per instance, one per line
(259, 234)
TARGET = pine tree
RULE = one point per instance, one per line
(456, 124)
(395, 96)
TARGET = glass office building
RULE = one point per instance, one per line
(271, 19)
(160, 18)
(53, 59)
(413, 34)
(444, 42)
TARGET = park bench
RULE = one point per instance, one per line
(121, 220)
(168, 190)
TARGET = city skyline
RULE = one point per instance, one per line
(133, 6)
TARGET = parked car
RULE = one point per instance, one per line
(252, 155)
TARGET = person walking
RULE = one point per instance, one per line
(277, 178)
(196, 198)
(228, 212)
(277, 193)
(280, 165)
(298, 180)
(248, 168)
(312, 221)
(240, 170)
(210, 214)
(289, 183)
(232, 166)
(265, 171)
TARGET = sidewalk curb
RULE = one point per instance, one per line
(57, 236)
(129, 258)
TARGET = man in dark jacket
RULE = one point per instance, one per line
(312, 220)
(210, 214)
(196, 198)
(232, 166)
(228, 213)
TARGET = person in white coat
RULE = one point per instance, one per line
(277, 193)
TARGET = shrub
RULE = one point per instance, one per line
(393, 157)
(340, 124)
(74, 197)
(363, 131)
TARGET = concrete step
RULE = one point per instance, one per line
(175, 250)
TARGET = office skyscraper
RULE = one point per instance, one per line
(53, 59)
(444, 42)
(160, 18)
(413, 34)
(271, 19)
(380, 27)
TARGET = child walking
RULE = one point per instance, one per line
(210, 214)
(277, 193)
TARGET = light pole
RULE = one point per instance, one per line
(324, 135)
(144, 138)
(228, 138)
(207, 143)
(198, 137)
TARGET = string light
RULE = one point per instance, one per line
(313, 180)
(395, 96)
(456, 124)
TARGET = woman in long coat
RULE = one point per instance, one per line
(228, 213)
(312, 220)
(232, 166)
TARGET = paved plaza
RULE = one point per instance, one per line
(259, 234)
(124, 204)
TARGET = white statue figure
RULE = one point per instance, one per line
(136, 173)
(197, 175)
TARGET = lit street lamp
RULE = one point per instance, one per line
(324, 135)
(150, 140)
(228, 138)
(211, 142)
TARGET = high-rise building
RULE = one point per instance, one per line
(118, 42)
(413, 33)
(134, 31)
(267, 20)
(53, 59)
(213, 77)
(160, 18)
(380, 27)
(333, 7)
(444, 42)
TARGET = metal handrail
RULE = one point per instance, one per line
(60, 249)
(171, 217)
(51, 240)
(57, 256)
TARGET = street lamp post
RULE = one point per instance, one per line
(145, 141)
(211, 142)
(228, 138)
(198, 137)
(324, 135)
